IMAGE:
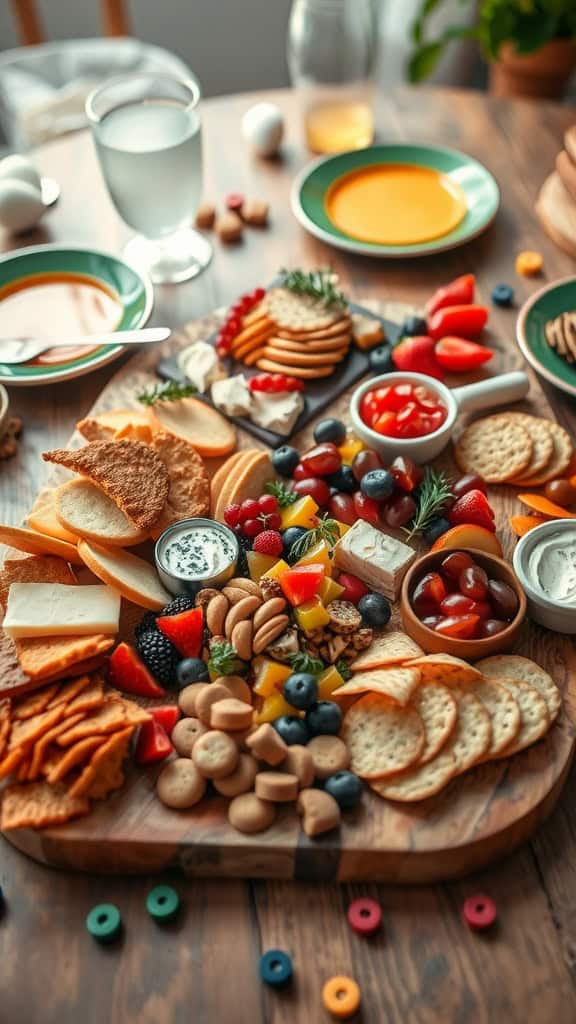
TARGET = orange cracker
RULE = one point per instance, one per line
(44, 742)
(11, 761)
(69, 690)
(27, 707)
(306, 359)
(42, 657)
(330, 345)
(241, 351)
(5, 725)
(103, 768)
(62, 761)
(254, 330)
(35, 569)
(115, 713)
(90, 697)
(37, 805)
(24, 733)
(253, 357)
(339, 328)
(306, 373)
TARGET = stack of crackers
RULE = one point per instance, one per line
(514, 448)
(65, 745)
(417, 721)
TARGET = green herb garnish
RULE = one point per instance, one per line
(224, 660)
(319, 284)
(170, 391)
(280, 491)
(344, 669)
(434, 494)
(327, 529)
(304, 662)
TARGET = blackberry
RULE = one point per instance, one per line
(159, 655)
(147, 624)
(245, 544)
(179, 604)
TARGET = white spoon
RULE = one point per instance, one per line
(20, 350)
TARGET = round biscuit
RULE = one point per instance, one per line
(306, 359)
(534, 717)
(541, 437)
(306, 373)
(504, 713)
(438, 711)
(561, 455)
(513, 665)
(496, 448)
(381, 737)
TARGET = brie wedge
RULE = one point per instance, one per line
(60, 609)
(201, 365)
(377, 558)
(277, 412)
(232, 396)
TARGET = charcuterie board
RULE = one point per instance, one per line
(479, 818)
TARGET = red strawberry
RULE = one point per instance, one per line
(166, 715)
(153, 743)
(184, 630)
(269, 542)
(472, 508)
(127, 673)
(416, 355)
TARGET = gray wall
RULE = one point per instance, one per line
(231, 45)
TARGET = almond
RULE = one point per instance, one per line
(215, 612)
(241, 639)
(241, 583)
(268, 611)
(243, 610)
(269, 632)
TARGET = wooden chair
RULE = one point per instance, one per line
(115, 20)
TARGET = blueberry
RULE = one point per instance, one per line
(435, 529)
(380, 359)
(343, 481)
(289, 537)
(502, 295)
(285, 460)
(378, 484)
(191, 670)
(414, 325)
(300, 690)
(293, 730)
(346, 788)
(324, 718)
(330, 430)
(375, 610)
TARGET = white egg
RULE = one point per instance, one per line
(21, 205)
(263, 128)
(20, 168)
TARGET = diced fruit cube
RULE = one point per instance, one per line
(184, 630)
(277, 570)
(330, 590)
(127, 673)
(153, 743)
(259, 564)
(349, 450)
(301, 583)
(468, 537)
(342, 527)
(329, 681)
(166, 715)
(311, 615)
(273, 707)
(319, 554)
(269, 676)
(300, 513)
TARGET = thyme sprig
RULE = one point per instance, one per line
(224, 660)
(319, 284)
(169, 391)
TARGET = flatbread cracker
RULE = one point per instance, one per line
(390, 649)
(381, 737)
(396, 682)
(189, 487)
(35, 569)
(534, 718)
(438, 710)
(496, 447)
(38, 805)
(63, 761)
(512, 665)
(561, 455)
(5, 725)
(90, 697)
(444, 668)
(113, 715)
(67, 691)
(43, 657)
(25, 732)
(45, 741)
(27, 707)
(103, 773)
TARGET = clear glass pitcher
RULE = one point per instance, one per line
(331, 50)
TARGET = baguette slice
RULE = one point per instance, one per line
(204, 427)
(85, 510)
(132, 577)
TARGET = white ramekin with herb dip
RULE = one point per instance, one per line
(196, 553)
(545, 564)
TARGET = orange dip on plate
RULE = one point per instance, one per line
(53, 306)
(395, 204)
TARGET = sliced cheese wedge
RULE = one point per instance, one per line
(59, 609)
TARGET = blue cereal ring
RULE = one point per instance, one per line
(502, 295)
(275, 968)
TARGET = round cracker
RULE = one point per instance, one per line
(85, 510)
(382, 738)
(561, 455)
(300, 313)
(473, 734)
(517, 667)
(541, 437)
(337, 344)
(438, 711)
(306, 359)
(340, 327)
(419, 783)
(505, 717)
(306, 373)
(496, 448)
(534, 717)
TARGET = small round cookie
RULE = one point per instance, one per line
(299, 763)
(248, 813)
(267, 745)
(280, 787)
(241, 780)
(180, 784)
(215, 754)
(185, 734)
(230, 714)
(329, 755)
(188, 696)
(237, 687)
(320, 812)
(212, 693)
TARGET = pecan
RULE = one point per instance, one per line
(285, 645)
(204, 596)
(270, 588)
(344, 617)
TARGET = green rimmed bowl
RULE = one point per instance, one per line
(311, 187)
(133, 290)
(544, 305)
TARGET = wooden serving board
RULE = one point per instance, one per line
(479, 818)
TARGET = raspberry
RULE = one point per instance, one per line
(267, 503)
(269, 542)
(232, 515)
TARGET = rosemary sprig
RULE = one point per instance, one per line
(284, 495)
(344, 669)
(433, 495)
(224, 660)
(319, 284)
(169, 391)
(304, 662)
(327, 529)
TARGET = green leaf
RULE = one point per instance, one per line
(304, 662)
(224, 660)
(170, 391)
(344, 669)
(280, 491)
(424, 61)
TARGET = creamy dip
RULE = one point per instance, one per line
(552, 566)
(198, 552)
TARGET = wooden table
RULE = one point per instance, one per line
(425, 967)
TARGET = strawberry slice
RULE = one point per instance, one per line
(127, 673)
(166, 715)
(184, 630)
(153, 743)
(416, 355)
(472, 508)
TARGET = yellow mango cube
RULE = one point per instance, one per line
(349, 450)
(259, 564)
(299, 513)
(342, 527)
(273, 707)
(269, 676)
(319, 554)
(311, 615)
(330, 590)
(329, 681)
(277, 570)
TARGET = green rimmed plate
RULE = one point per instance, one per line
(133, 290)
(546, 304)
(311, 187)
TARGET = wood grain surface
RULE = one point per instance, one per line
(425, 967)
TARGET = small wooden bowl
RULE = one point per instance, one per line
(471, 650)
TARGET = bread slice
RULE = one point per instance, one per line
(85, 510)
(200, 424)
(35, 543)
(42, 517)
(134, 578)
(113, 425)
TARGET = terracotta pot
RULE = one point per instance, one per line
(542, 74)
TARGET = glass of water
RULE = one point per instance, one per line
(148, 138)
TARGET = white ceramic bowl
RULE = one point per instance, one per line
(501, 390)
(4, 409)
(551, 614)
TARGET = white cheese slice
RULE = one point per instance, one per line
(201, 365)
(59, 609)
(232, 396)
(377, 558)
(277, 412)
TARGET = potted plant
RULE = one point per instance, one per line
(530, 44)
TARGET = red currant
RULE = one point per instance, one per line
(252, 527)
(236, 309)
(258, 294)
(234, 201)
(233, 325)
(267, 503)
(224, 340)
(273, 521)
(280, 382)
(232, 515)
(248, 510)
(245, 303)
(222, 349)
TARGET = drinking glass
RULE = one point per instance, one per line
(331, 47)
(148, 138)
